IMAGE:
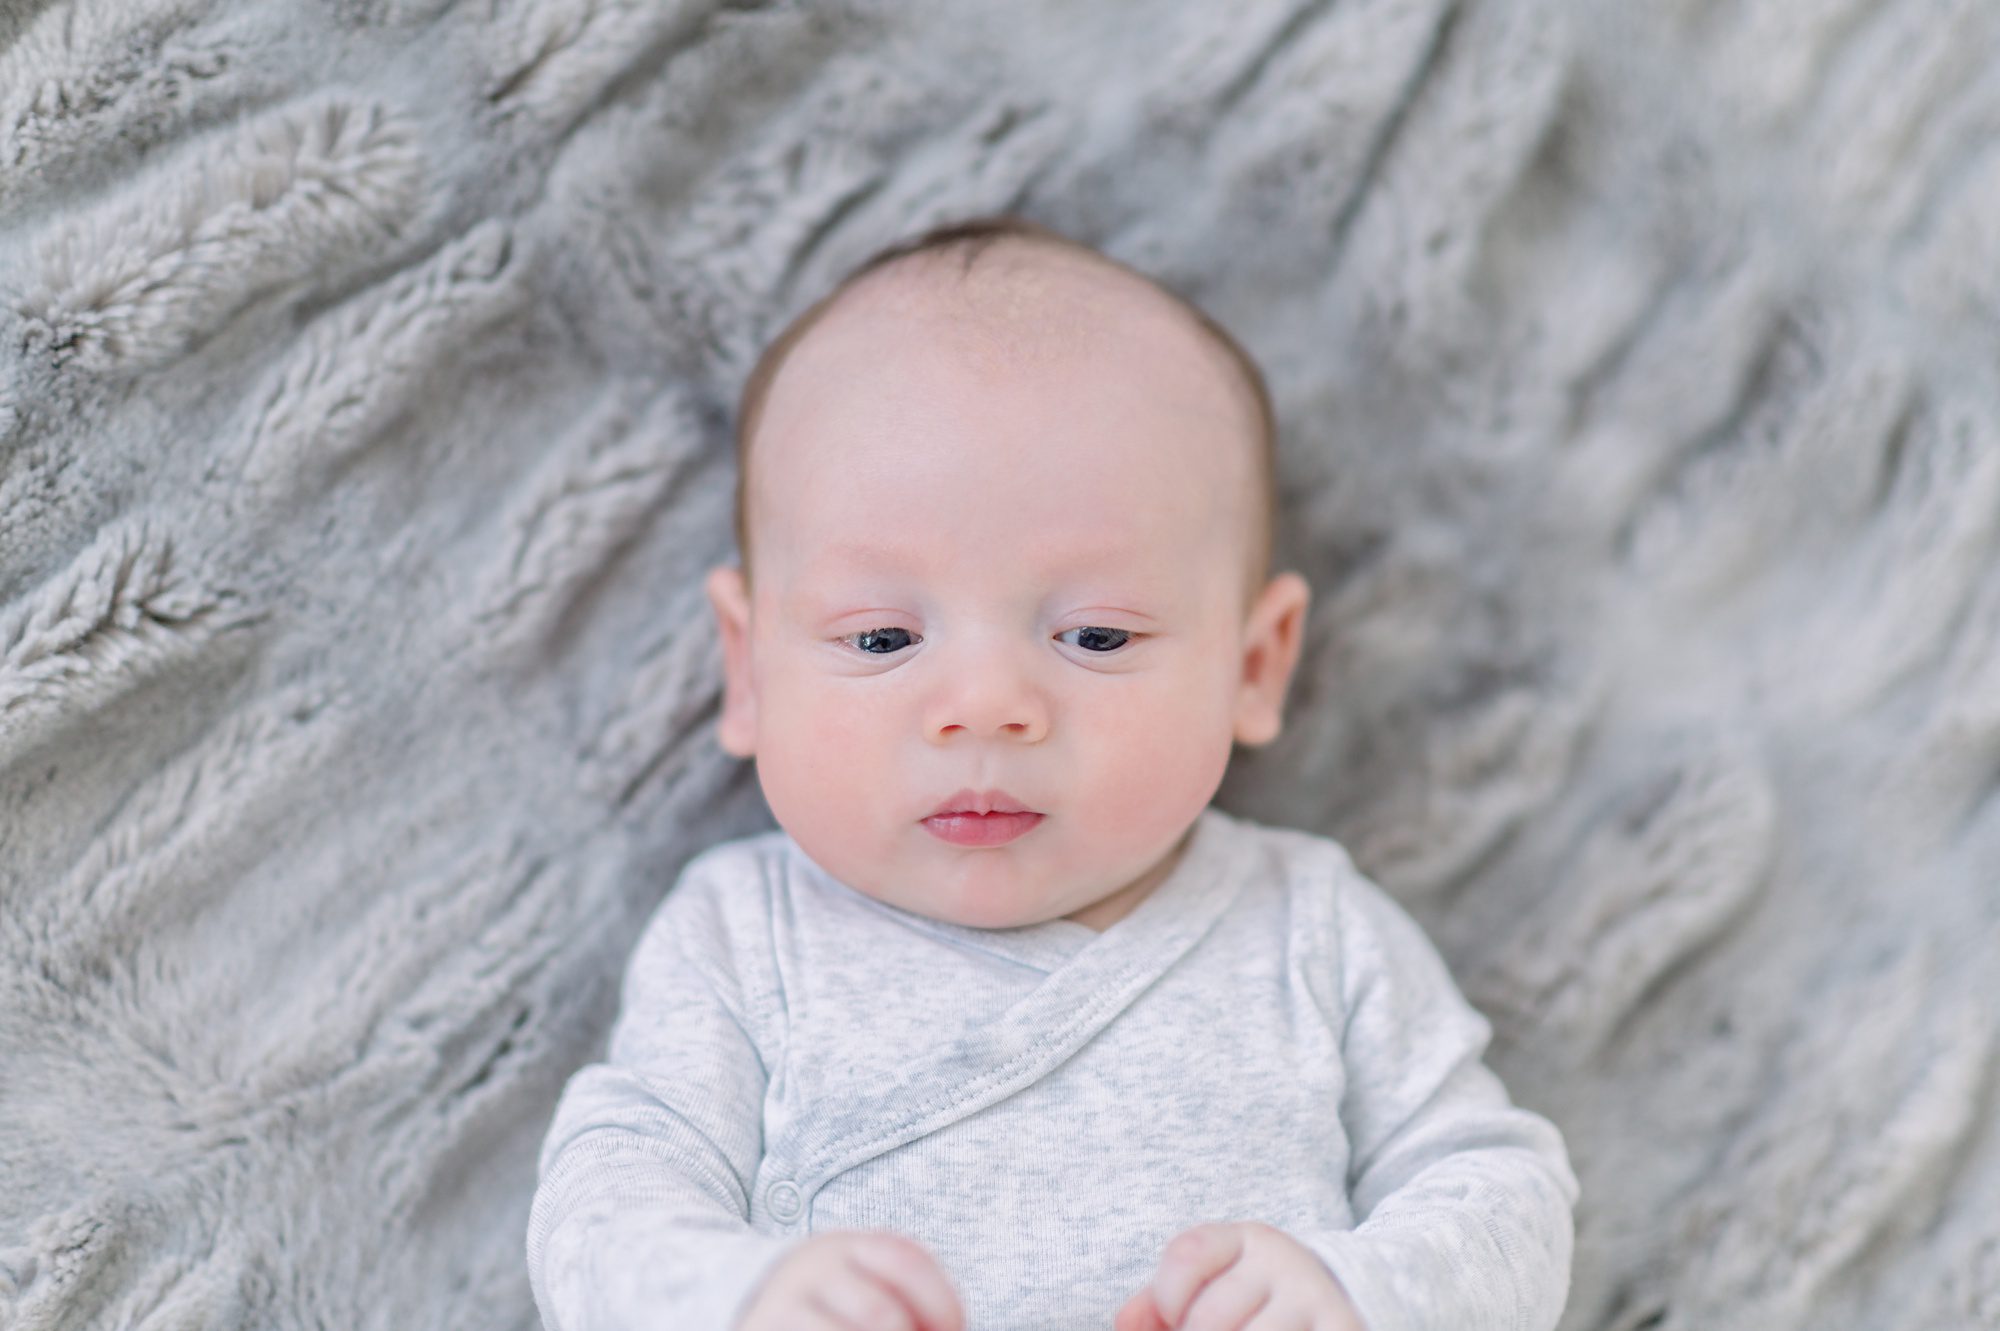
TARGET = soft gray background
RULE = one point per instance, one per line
(366, 370)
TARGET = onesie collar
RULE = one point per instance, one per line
(1046, 945)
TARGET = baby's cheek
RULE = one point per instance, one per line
(814, 758)
(1155, 762)
(830, 730)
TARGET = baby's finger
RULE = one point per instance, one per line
(865, 1302)
(818, 1315)
(807, 1314)
(1280, 1315)
(1140, 1313)
(1227, 1302)
(910, 1271)
(1193, 1258)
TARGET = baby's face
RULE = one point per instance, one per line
(1001, 541)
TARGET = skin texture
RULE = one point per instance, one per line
(1239, 1277)
(954, 473)
(855, 1278)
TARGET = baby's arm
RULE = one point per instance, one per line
(641, 1217)
(1462, 1200)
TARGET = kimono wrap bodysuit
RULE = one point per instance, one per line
(1268, 1036)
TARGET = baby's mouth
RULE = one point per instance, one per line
(962, 828)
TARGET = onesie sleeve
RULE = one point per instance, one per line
(640, 1217)
(1462, 1200)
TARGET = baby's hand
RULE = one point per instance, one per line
(855, 1280)
(1239, 1277)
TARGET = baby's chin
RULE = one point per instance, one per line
(977, 908)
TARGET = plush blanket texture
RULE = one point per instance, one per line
(366, 376)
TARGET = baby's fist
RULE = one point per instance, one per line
(1241, 1276)
(854, 1280)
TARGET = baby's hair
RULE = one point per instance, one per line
(971, 237)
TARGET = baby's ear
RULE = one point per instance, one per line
(736, 731)
(1275, 634)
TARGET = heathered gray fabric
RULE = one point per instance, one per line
(1268, 1036)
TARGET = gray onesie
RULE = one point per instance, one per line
(1268, 1036)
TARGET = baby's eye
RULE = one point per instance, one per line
(1117, 638)
(879, 637)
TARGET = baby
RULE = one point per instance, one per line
(1007, 1026)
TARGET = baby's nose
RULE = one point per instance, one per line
(995, 695)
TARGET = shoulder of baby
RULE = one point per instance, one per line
(712, 923)
(721, 889)
(1313, 864)
(730, 862)
(1343, 900)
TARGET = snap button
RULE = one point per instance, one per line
(784, 1199)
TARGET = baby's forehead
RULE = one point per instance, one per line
(1065, 349)
(1032, 367)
